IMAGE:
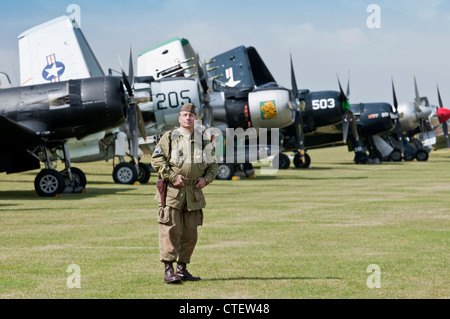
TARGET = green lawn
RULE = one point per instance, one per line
(300, 233)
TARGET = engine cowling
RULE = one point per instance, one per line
(373, 118)
(269, 108)
(170, 94)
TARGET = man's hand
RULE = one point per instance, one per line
(179, 181)
(201, 182)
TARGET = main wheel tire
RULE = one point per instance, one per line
(225, 171)
(144, 173)
(125, 173)
(395, 156)
(49, 183)
(298, 162)
(79, 177)
(407, 157)
(422, 155)
(283, 161)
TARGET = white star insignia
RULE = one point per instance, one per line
(53, 71)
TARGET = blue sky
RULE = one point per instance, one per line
(325, 38)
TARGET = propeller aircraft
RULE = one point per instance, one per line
(310, 119)
(155, 99)
(326, 119)
(41, 118)
(330, 120)
(244, 95)
(418, 126)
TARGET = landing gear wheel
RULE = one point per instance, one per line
(125, 173)
(422, 155)
(298, 162)
(79, 178)
(144, 173)
(407, 157)
(283, 161)
(396, 156)
(225, 171)
(49, 183)
(361, 157)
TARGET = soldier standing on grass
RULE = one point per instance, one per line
(186, 164)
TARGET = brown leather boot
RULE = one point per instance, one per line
(169, 276)
(184, 274)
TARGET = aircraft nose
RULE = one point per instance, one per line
(443, 114)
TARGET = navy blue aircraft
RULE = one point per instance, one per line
(330, 120)
(245, 95)
(311, 119)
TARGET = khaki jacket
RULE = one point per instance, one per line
(180, 153)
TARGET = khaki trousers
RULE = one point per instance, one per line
(178, 233)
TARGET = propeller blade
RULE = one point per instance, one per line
(298, 123)
(127, 83)
(439, 98)
(394, 97)
(398, 126)
(141, 125)
(131, 69)
(345, 125)
(348, 86)
(293, 80)
(341, 91)
(422, 125)
(133, 125)
(417, 98)
(345, 108)
(207, 116)
(445, 129)
(125, 80)
(298, 119)
(134, 115)
(353, 127)
(398, 130)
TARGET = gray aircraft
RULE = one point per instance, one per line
(36, 121)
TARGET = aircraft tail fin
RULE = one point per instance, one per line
(171, 58)
(56, 51)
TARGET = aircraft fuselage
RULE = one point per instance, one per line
(57, 111)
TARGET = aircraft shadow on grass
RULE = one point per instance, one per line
(271, 177)
(269, 278)
(91, 192)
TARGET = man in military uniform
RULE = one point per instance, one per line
(187, 162)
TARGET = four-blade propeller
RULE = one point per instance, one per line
(348, 121)
(421, 114)
(207, 112)
(396, 117)
(443, 115)
(134, 115)
(298, 120)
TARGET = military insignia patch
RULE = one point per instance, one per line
(157, 151)
(268, 110)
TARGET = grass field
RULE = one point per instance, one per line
(308, 233)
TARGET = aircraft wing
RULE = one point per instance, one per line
(20, 135)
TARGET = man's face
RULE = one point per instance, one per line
(187, 120)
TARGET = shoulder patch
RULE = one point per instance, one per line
(157, 151)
